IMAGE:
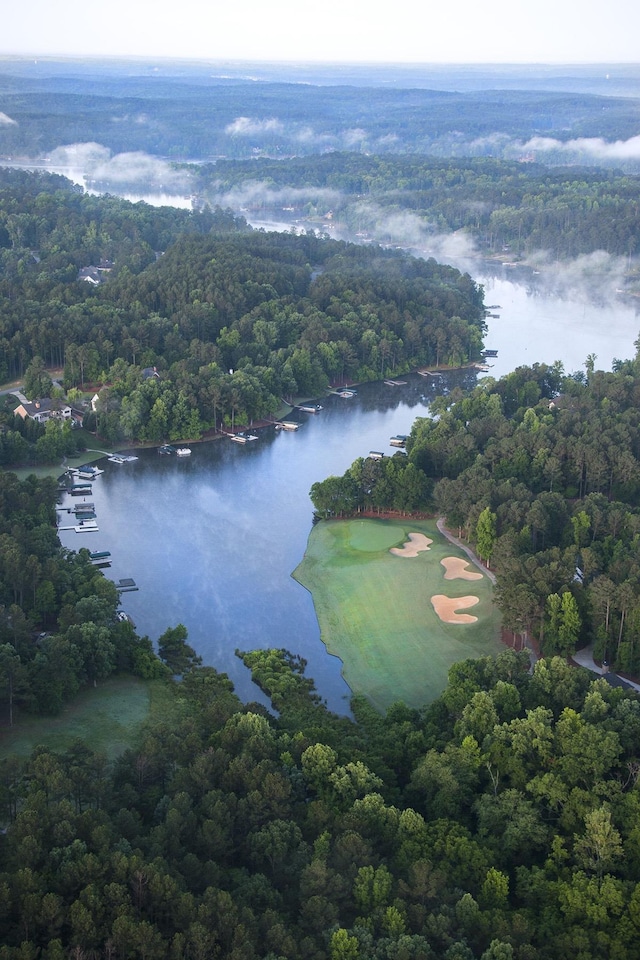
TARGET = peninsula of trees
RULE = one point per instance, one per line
(201, 320)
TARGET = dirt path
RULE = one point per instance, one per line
(462, 546)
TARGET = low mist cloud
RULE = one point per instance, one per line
(594, 147)
(249, 127)
(594, 277)
(85, 162)
(255, 194)
(408, 230)
(296, 134)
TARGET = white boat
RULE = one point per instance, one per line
(86, 472)
(310, 407)
(288, 425)
(183, 452)
(346, 394)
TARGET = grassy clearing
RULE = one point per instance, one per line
(375, 611)
(108, 717)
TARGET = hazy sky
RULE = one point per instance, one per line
(419, 31)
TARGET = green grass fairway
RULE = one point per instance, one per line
(375, 611)
(107, 717)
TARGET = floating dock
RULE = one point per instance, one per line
(126, 585)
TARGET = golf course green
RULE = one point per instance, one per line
(376, 611)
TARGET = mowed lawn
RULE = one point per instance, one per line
(375, 610)
(108, 718)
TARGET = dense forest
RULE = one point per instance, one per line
(541, 472)
(500, 823)
(201, 321)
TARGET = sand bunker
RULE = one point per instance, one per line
(446, 608)
(456, 569)
(416, 543)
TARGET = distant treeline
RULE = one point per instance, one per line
(204, 117)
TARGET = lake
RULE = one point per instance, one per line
(211, 540)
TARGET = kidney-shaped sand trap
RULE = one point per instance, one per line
(416, 544)
(455, 568)
(446, 608)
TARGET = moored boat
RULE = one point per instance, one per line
(183, 452)
(121, 458)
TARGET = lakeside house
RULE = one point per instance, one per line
(44, 409)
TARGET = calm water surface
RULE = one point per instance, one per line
(212, 540)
